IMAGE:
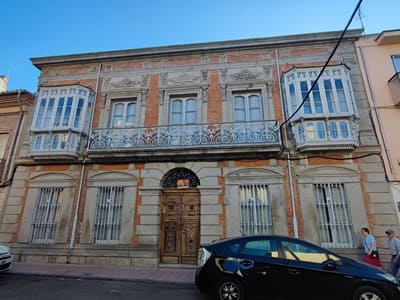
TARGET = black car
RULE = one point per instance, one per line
(280, 267)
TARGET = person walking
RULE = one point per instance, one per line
(371, 251)
(394, 250)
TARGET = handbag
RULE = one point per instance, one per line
(374, 254)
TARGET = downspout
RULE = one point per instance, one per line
(375, 108)
(289, 162)
(83, 169)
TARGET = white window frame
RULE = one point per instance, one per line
(396, 63)
(108, 215)
(255, 209)
(333, 213)
(321, 102)
(125, 114)
(248, 107)
(43, 226)
(185, 111)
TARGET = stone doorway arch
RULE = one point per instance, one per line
(180, 217)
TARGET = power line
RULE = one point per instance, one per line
(320, 74)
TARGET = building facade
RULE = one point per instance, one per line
(136, 157)
(379, 57)
(14, 106)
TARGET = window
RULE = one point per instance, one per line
(255, 210)
(306, 253)
(333, 215)
(247, 107)
(107, 223)
(262, 247)
(331, 95)
(396, 63)
(62, 114)
(183, 111)
(44, 220)
(123, 114)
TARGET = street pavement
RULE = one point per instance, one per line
(177, 275)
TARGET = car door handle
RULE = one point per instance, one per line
(293, 272)
(246, 263)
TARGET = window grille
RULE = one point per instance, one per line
(333, 216)
(107, 224)
(255, 210)
(43, 228)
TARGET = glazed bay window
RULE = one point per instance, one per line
(61, 121)
(43, 228)
(334, 220)
(107, 223)
(255, 209)
(327, 117)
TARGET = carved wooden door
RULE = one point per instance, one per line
(180, 226)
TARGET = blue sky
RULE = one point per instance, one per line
(40, 28)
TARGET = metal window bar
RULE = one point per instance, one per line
(107, 224)
(333, 216)
(43, 228)
(255, 210)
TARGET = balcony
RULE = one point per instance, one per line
(57, 144)
(333, 134)
(217, 140)
(394, 88)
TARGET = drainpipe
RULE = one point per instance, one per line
(289, 162)
(83, 169)
(375, 108)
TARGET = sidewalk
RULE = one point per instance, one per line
(161, 274)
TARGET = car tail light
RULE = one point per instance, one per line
(203, 256)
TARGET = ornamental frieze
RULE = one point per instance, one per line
(117, 83)
(183, 78)
(255, 74)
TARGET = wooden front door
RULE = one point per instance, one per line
(180, 226)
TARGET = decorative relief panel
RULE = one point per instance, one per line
(244, 75)
(183, 79)
(121, 83)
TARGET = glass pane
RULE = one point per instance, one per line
(130, 114)
(343, 129)
(60, 107)
(67, 112)
(78, 114)
(55, 141)
(255, 108)
(176, 112)
(49, 111)
(317, 99)
(396, 63)
(321, 130)
(293, 100)
(190, 115)
(40, 115)
(329, 96)
(341, 96)
(118, 115)
(239, 108)
(333, 133)
(307, 104)
(38, 142)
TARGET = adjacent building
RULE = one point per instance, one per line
(135, 157)
(14, 107)
(379, 57)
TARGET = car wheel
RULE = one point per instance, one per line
(368, 293)
(230, 288)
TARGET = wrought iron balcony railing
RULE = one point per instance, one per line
(176, 137)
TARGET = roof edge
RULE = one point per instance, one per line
(196, 48)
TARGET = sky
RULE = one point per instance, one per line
(42, 28)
